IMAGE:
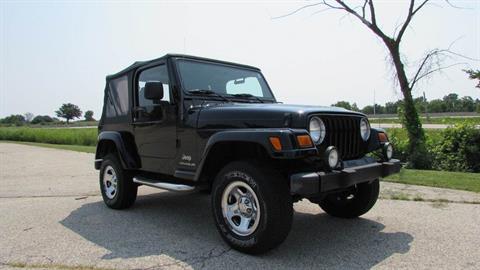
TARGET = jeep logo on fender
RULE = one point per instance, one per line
(186, 158)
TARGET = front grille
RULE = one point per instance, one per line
(343, 132)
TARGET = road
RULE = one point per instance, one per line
(51, 215)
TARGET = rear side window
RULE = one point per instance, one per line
(117, 103)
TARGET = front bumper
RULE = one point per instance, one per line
(315, 183)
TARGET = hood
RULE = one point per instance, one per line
(261, 115)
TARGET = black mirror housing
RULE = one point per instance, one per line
(154, 90)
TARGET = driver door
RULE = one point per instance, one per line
(155, 121)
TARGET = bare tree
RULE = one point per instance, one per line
(432, 62)
(29, 116)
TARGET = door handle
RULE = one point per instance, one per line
(138, 109)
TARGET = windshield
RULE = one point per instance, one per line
(222, 79)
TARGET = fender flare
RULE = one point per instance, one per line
(260, 137)
(126, 157)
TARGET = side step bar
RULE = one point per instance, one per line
(163, 185)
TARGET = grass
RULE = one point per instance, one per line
(58, 124)
(77, 148)
(441, 120)
(71, 124)
(441, 179)
(66, 136)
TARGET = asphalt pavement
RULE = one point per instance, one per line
(51, 216)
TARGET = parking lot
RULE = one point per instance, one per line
(51, 215)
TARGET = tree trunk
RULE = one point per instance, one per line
(417, 151)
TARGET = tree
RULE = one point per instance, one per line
(451, 102)
(69, 111)
(367, 14)
(28, 117)
(41, 119)
(379, 109)
(467, 104)
(436, 106)
(420, 104)
(368, 109)
(343, 104)
(355, 107)
(89, 116)
(474, 75)
(391, 107)
(14, 119)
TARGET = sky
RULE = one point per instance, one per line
(55, 52)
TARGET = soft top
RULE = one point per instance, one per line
(138, 64)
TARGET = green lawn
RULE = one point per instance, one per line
(78, 148)
(66, 136)
(442, 120)
(441, 179)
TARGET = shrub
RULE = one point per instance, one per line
(14, 120)
(458, 149)
(399, 139)
(42, 119)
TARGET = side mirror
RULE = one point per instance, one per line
(154, 90)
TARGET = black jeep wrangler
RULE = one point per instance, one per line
(185, 123)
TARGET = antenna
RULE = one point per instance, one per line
(184, 45)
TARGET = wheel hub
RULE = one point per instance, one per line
(240, 208)
(246, 207)
(110, 182)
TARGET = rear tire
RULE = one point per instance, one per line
(252, 207)
(354, 203)
(116, 184)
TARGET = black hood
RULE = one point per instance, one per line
(262, 115)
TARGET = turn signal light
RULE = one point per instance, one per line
(382, 137)
(277, 145)
(304, 141)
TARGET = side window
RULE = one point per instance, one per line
(117, 104)
(155, 74)
(248, 85)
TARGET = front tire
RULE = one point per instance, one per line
(352, 203)
(252, 207)
(116, 184)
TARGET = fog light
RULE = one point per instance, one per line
(388, 151)
(331, 155)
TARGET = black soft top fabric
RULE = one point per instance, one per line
(118, 94)
(138, 64)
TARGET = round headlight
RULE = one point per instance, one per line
(317, 130)
(332, 157)
(364, 129)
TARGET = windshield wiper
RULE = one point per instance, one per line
(207, 92)
(248, 96)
